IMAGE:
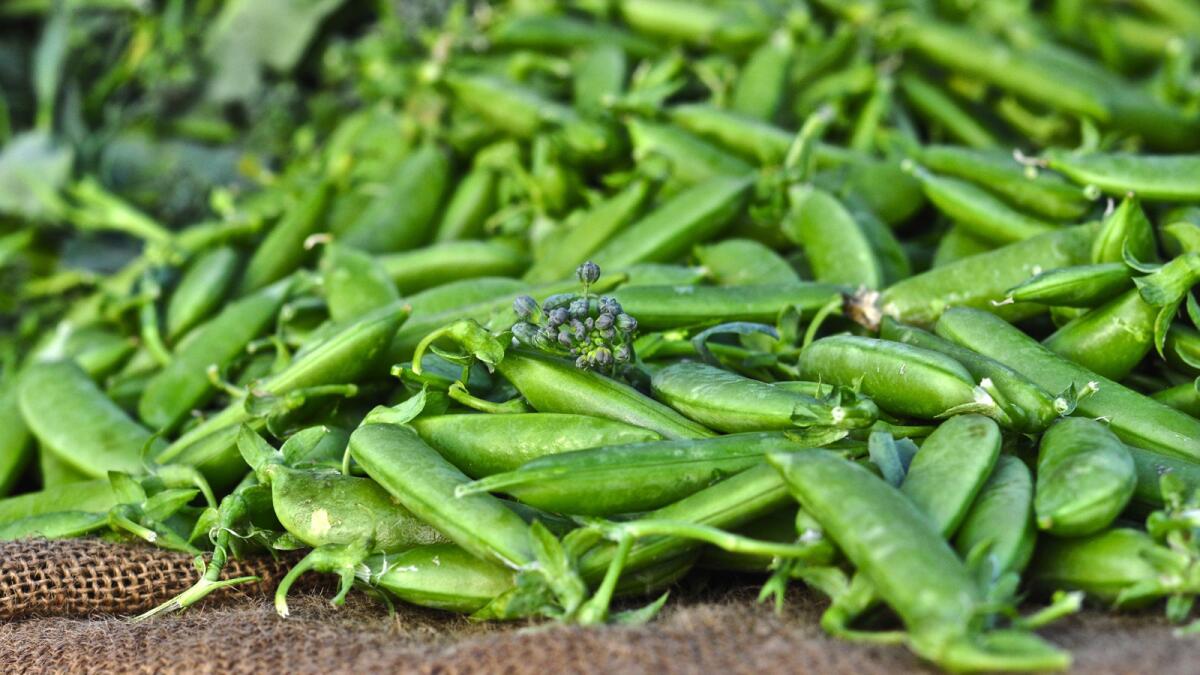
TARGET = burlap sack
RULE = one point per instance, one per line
(58, 601)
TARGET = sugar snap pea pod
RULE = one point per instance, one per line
(1030, 407)
(424, 483)
(72, 418)
(402, 215)
(951, 468)
(184, 385)
(1045, 193)
(434, 265)
(692, 159)
(92, 496)
(978, 211)
(731, 26)
(354, 282)
(751, 138)
(1085, 477)
(560, 32)
(1168, 178)
(728, 402)
(837, 249)
(54, 471)
(16, 443)
(439, 576)
(944, 112)
(282, 250)
(689, 218)
(611, 480)
(663, 307)
(467, 209)
(599, 76)
(979, 280)
(1138, 420)
(1104, 565)
(1111, 339)
(737, 262)
(482, 445)
(555, 386)
(1151, 467)
(1001, 521)
(201, 289)
(911, 566)
(1126, 229)
(1182, 397)
(762, 81)
(730, 503)
(902, 379)
(457, 294)
(1077, 286)
(957, 244)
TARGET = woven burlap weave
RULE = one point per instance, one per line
(60, 604)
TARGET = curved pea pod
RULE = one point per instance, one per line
(944, 112)
(468, 208)
(837, 249)
(282, 250)
(1079, 286)
(729, 402)
(1030, 407)
(911, 566)
(402, 215)
(1136, 419)
(183, 385)
(1151, 467)
(561, 32)
(692, 160)
(1111, 339)
(1168, 178)
(735, 501)
(1000, 522)
(92, 496)
(901, 379)
(751, 138)
(1085, 477)
(201, 289)
(16, 443)
(437, 264)
(730, 27)
(1044, 193)
(663, 307)
(762, 81)
(745, 262)
(979, 280)
(630, 478)
(978, 211)
(354, 283)
(438, 576)
(1103, 565)
(424, 483)
(483, 445)
(72, 418)
(551, 385)
(950, 469)
(1124, 230)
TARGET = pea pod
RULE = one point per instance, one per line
(483, 445)
(751, 138)
(732, 403)
(1001, 520)
(434, 265)
(560, 32)
(1104, 565)
(439, 576)
(901, 379)
(762, 81)
(402, 216)
(1181, 349)
(946, 113)
(957, 244)
(1169, 178)
(745, 262)
(282, 251)
(1085, 478)
(354, 283)
(912, 567)
(72, 418)
(93, 496)
(1111, 339)
(692, 160)
(663, 307)
(1078, 286)
(467, 209)
(201, 289)
(1182, 397)
(1126, 229)
(976, 210)
(837, 249)
(54, 471)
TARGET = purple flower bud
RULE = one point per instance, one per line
(608, 333)
(564, 338)
(626, 323)
(609, 306)
(558, 317)
(578, 329)
(525, 307)
(559, 300)
(588, 273)
(622, 353)
(603, 357)
(603, 321)
(525, 333)
(579, 308)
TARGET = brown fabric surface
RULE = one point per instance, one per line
(706, 628)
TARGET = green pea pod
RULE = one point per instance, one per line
(664, 307)
(16, 443)
(692, 160)
(902, 379)
(424, 483)
(978, 211)
(939, 108)
(599, 76)
(551, 385)
(438, 576)
(731, 403)
(1083, 286)
(729, 26)
(912, 567)
(561, 32)
(437, 264)
(282, 251)
(837, 249)
(72, 418)
(981, 279)
(762, 81)
(1085, 477)
(957, 244)
(201, 289)
(1151, 467)
(1182, 397)
(1110, 340)
(1181, 349)
(473, 200)
(611, 480)
(744, 262)
(1045, 194)
(749, 137)
(1103, 565)
(691, 217)
(402, 215)
(735, 501)
(54, 471)
(1136, 419)
(61, 525)
(93, 496)
(354, 283)
(1125, 230)
(184, 385)
(1001, 520)
(483, 445)
(464, 293)
(1167, 178)
(950, 469)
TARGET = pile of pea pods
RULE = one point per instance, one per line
(888, 299)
